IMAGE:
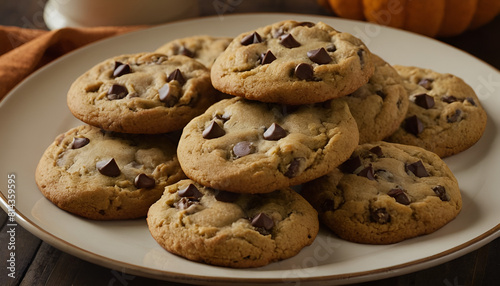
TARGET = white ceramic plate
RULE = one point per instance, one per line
(35, 112)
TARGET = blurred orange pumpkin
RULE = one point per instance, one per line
(434, 18)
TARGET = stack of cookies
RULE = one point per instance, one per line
(289, 104)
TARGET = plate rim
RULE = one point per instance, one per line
(399, 269)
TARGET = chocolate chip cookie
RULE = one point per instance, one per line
(142, 93)
(203, 48)
(293, 63)
(105, 175)
(248, 146)
(379, 106)
(385, 193)
(444, 115)
(230, 229)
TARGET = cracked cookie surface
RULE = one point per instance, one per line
(142, 93)
(253, 147)
(293, 63)
(105, 175)
(230, 229)
(386, 193)
(444, 116)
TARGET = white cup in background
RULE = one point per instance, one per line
(91, 13)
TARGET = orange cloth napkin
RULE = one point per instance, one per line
(22, 51)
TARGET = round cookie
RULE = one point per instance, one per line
(379, 106)
(248, 146)
(105, 175)
(444, 115)
(203, 48)
(230, 229)
(142, 93)
(293, 63)
(386, 193)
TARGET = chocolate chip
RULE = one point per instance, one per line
(108, 168)
(377, 151)
(213, 131)
(454, 117)
(227, 197)
(267, 58)
(331, 48)
(243, 148)
(350, 165)
(176, 75)
(413, 125)
(304, 71)
(367, 173)
(186, 52)
(400, 196)
(418, 169)
(471, 101)
(185, 203)
(380, 216)
(306, 24)
(191, 191)
(319, 56)
(288, 41)
(384, 174)
(381, 94)
(116, 91)
(426, 83)
(143, 181)
(295, 167)
(79, 142)
(274, 132)
(441, 193)
(253, 38)
(263, 221)
(121, 69)
(449, 98)
(361, 55)
(424, 100)
(167, 96)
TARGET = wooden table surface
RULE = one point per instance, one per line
(38, 263)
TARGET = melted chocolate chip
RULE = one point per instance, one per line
(116, 91)
(267, 58)
(253, 38)
(454, 117)
(380, 216)
(381, 94)
(227, 197)
(304, 71)
(449, 98)
(288, 41)
(191, 191)
(79, 142)
(167, 96)
(262, 220)
(274, 132)
(108, 168)
(351, 165)
(441, 193)
(121, 69)
(143, 181)
(295, 167)
(426, 83)
(418, 169)
(213, 131)
(331, 48)
(471, 101)
(424, 100)
(186, 52)
(400, 196)
(367, 173)
(319, 56)
(185, 203)
(243, 148)
(306, 24)
(413, 125)
(377, 151)
(361, 55)
(176, 75)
